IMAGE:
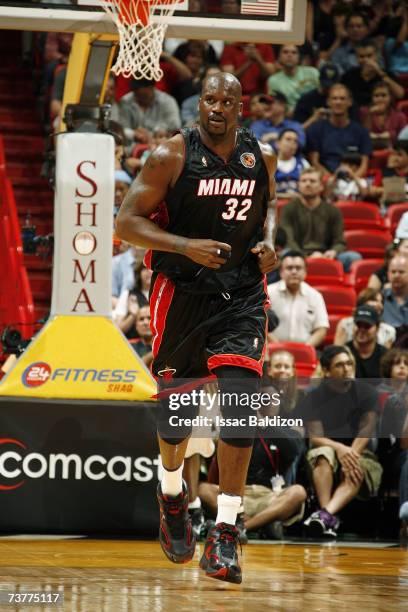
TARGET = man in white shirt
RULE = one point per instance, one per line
(300, 308)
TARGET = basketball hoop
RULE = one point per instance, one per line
(140, 40)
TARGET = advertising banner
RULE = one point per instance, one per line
(78, 467)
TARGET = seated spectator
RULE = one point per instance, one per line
(143, 343)
(381, 119)
(363, 345)
(159, 135)
(396, 47)
(312, 105)
(394, 370)
(265, 507)
(329, 139)
(275, 121)
(189, 60)
(396, 296)
(122, 184)
(312, 225)
(189, 107)
(251, 64)
(145, 107)
(281, 378)
(289, 163)
(398, 162)
(386, 333)
(401, 233)
(362, 79)
(292, 80)
(320, 25)
(299, 307)
(378, 279)
(131, 300)
(258, 105)
(123, 266)
(341, 418)
(403, 511)
(344, 184)
(110, 98)
(356, 29)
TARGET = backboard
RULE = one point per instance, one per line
(268, 21)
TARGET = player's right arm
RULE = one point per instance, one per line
(158, 176)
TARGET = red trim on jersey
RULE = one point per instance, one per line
(240, 361)
(160, 302)
(147, 259)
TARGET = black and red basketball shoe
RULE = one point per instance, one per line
(220, 558)
(176, 534)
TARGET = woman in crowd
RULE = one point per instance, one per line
(386, 333)
(381, 118)
(129, 302)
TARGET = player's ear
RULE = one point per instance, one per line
(240, 109)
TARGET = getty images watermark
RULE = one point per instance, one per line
(211, 401)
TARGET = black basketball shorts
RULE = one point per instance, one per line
(194, 334)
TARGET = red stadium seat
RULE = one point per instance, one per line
(360, 272)
(324, 271)
(280, 203)
(338, 300)
(394, 214)
(333, 320)
(360, 215)
(305, 356)
(369, 243)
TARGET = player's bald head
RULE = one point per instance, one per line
(226, 80)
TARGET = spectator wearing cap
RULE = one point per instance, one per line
(258, 105)
(329, 139)
(145, 107)
(366, 350)
(299, 307)
(396, 295)
(293, 80)
(362, 79)
(251, 64)
(312, 105)
(267, 130)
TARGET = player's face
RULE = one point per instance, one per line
(219, 108)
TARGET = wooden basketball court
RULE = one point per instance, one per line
(116, 575)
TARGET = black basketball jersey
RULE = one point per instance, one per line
(225, 201)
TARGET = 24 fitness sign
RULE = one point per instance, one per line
(40, 372)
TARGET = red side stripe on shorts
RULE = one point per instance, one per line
(160, 301)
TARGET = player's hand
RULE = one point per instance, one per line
(267, 259)
(209, 253)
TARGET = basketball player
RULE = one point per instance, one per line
(207, 300)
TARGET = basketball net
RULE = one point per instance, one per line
(140, 40)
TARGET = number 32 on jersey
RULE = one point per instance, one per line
(236, 209)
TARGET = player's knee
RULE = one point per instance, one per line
(173, 426)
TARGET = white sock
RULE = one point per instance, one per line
(195, 504)
(172, 482)
(228, 506)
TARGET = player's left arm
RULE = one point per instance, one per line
(265, 250)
